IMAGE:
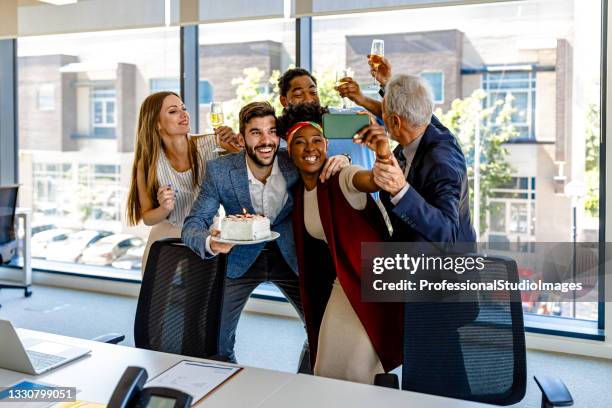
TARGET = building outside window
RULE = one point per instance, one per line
(496, 66)
(538, 85)
(521, 87)
(46, 97)
(205, 90)
(242, 62)
(436, 82)
(512, 211)
(75, 161)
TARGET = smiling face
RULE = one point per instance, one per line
(302, 89)
(261, 141)
(308, 150)
(173, 117)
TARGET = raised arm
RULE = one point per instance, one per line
(375, 138)
(350, 88)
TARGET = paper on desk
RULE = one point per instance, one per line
(194, 378)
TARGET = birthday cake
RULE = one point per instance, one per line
(245, 227)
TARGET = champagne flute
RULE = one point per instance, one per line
(376, 55)
(216, 119)
(340, 74)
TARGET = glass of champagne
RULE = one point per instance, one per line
(340, 74)
(376, 55)
(216, 120)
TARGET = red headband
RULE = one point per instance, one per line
(293, 130)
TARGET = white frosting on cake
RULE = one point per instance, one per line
(245, 227)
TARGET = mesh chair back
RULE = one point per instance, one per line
(179, 306)
(8, 203)
(473, 351)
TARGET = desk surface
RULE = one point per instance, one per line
(97, 374)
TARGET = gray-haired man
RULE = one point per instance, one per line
(426, 184)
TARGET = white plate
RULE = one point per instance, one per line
(272, 237)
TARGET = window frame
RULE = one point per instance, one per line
(530, 91)
(104, 100)
(304, 53)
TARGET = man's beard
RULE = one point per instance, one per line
(250, 151)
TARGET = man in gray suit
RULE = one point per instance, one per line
(258, 179)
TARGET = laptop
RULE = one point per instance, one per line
(33, 355)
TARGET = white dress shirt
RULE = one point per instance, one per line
(268, 199)
(409, 153)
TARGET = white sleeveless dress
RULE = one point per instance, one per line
(185, 193)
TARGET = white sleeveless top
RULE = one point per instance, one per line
(182, 182)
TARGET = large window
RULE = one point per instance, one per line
(527, 75)
(241, 62)
(79, 96)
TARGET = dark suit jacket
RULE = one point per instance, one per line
(436, 206)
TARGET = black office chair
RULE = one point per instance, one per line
(179, 307)
(8, 204)
(473, 351)
(8, 238)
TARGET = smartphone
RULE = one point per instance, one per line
(343, 125)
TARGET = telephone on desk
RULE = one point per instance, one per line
(130, 393)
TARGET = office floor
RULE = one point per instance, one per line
(264, 341)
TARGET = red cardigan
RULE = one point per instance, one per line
(319, 263)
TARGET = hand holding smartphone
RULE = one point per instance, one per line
(343, 125)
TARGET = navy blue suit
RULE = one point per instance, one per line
(436, 206)
(435, 209)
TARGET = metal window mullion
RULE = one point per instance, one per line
(303, 42)
(9, 170)
(190, 73)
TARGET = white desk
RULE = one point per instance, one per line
(97, 374)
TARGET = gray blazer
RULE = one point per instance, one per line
(226, 183)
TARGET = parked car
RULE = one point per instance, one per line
(109, 249)
(70, 249)
(41, 240)
(131, 260)
(40, 228)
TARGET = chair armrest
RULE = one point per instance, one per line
(554, 392)
(386, 380)
(111, 338)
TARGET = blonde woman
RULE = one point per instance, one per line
(168, 167)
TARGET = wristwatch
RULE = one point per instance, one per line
(348, 156)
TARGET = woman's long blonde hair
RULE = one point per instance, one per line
(148, 147)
